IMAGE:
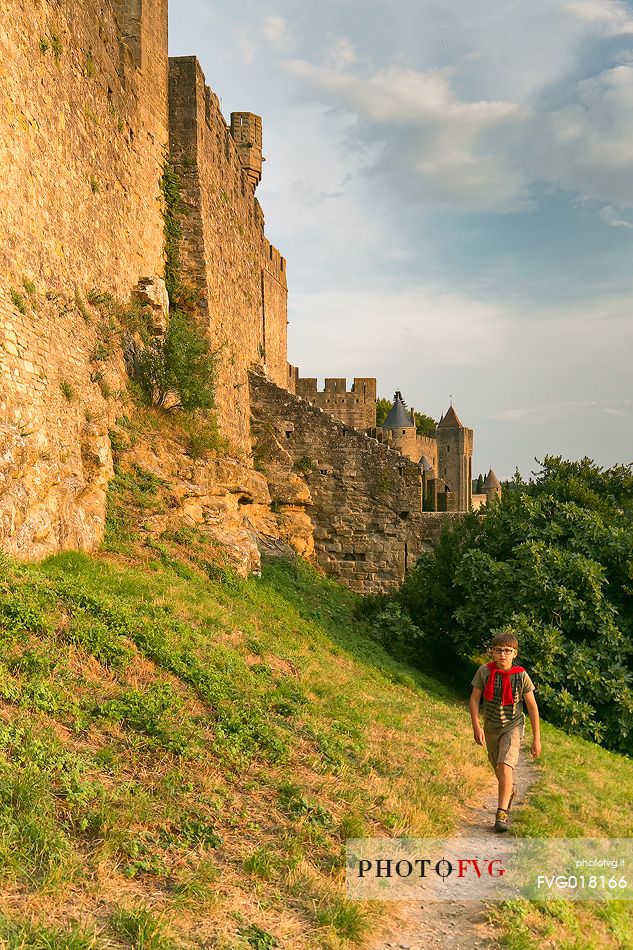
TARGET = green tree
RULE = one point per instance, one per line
(553, 563)
(383, 407)
(424, 425)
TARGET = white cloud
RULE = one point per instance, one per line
(246, 44)
(275, 31)
(251, 38)
(395, 95)
(401, 325)
(613, 218)
(485, 154)
(340, 52)
(427, 132)
(611, 15)
(587, 147)
(548, 412)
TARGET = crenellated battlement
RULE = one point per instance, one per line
(362, 388)
(355, 407)
(274, 262)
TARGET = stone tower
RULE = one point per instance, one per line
(455, 451)
(399, 427)
(492, 487)
(246, 129)
(143, 26)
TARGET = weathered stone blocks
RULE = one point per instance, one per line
(356, 507)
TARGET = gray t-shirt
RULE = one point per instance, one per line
(497, 718)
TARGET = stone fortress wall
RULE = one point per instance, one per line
(83, 129)
(355, 407)
(90, 110)
(83, 134)
(363, 498)
(224, 251)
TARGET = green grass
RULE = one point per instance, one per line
(583, 791)
(16, 935)
(139, 928)
(56, 46)
(29, 287)
(178, 744)
(17, 299)
(67, 390)
(161, 714)
(90, 69)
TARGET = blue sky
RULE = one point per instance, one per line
(451, 182)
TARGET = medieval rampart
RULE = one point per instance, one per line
(365, 498)
(355, 407)
(83, 128)
(224, 252)
(83, 134)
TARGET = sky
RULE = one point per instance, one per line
(451, 183)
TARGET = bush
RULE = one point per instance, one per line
(392, 626)
(201, 436)
(304, 465)
(552, 563)
(179, 368)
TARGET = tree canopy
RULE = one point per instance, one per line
(383, 406)
(552, 562)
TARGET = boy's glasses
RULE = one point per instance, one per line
(501, 650)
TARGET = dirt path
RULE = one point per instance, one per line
(457, 925)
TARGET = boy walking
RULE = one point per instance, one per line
(506, 688)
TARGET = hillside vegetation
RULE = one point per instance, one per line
(551, 562)
(184, 752)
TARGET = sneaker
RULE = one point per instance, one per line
(502, 820)
(512, 797)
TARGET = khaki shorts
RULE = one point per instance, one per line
(504, 749)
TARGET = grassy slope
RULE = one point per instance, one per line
(584, 791)
(183, 754)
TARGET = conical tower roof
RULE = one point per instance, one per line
(491, 481)
(450, 420)
(425, 464)
(398, 417)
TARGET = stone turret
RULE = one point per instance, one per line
(246, 129)
(492, 487)
(455, 450)
(399, 428)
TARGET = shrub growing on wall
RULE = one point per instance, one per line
(177, 370)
